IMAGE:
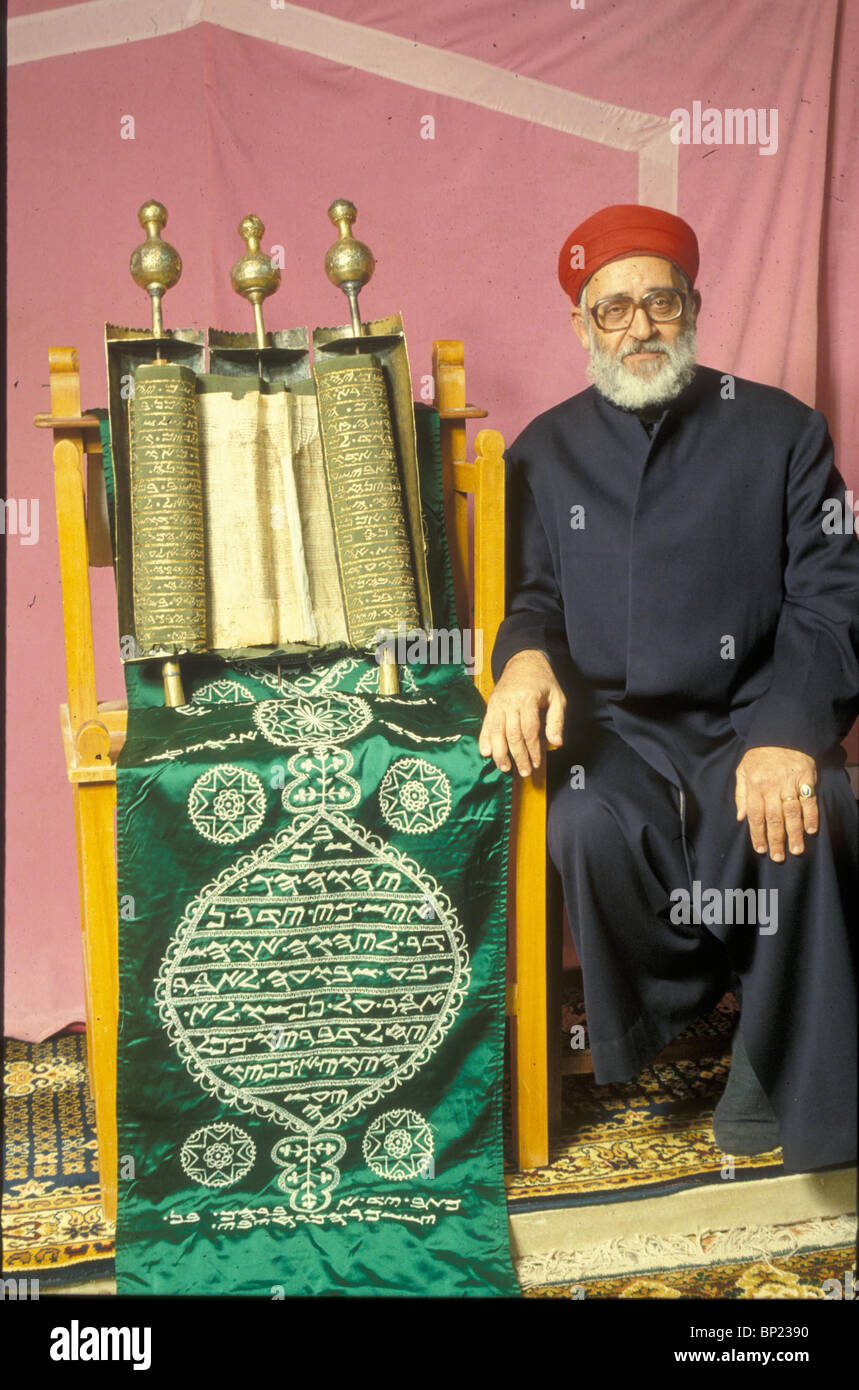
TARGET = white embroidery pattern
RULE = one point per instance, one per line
(222, 692)
(369, 682)
(218, 1155)
(319, 972)
(420, 738)
(415, 796)
(332, 717)
(326, 676)
(192, 710)
(320, 676)
(310, 1171)
(320, 778)
(226, 803)
(398, 1145)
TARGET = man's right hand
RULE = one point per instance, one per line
(514, 714)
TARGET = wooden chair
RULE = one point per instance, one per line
(93, 733)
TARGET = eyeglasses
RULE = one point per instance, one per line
(618, 310)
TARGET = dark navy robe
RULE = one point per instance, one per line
(696, 598)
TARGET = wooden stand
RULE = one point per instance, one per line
(93, 733)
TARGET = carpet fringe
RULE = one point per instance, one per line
(634, 1254)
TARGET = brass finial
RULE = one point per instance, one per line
(155, 265)
(348, 263)
(171, 674)
(254, 276)
(389, 677)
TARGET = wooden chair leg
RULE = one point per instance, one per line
(530, 1036)
(87, 990)
(554, 989)
(94, 811)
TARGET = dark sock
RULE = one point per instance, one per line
(743, 1122)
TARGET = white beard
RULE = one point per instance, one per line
(632, 391)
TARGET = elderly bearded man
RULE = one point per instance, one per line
(681, 619)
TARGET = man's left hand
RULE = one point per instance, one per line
(769, 794)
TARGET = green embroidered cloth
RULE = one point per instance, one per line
(312, 885)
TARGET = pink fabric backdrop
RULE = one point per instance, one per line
(281, 118)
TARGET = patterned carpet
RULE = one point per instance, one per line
(647, 1137)
(53, 1227)
(821, 1265)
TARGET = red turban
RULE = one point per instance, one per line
(620, 231)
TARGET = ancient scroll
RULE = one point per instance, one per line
(264, 517)
(372, 544)
(167, 510)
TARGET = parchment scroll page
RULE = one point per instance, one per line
(258, 588)
(318, 531)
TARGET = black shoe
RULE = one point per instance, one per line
(743, 1122)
